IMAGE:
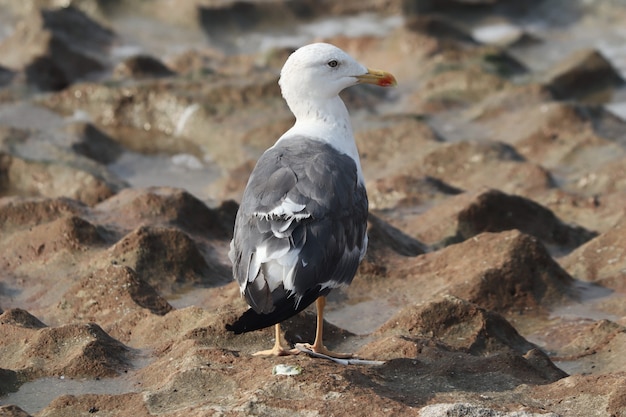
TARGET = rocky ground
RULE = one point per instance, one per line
(495, 282)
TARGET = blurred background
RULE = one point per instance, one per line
(183, 93)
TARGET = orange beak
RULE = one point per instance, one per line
(377, 77)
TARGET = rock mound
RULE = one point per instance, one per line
(73, 350)
(464, 216)
(165, 257)
(580, 74)
(460, 325)
(169, 206)
(515, 273)
(22, 318)
(115, 297)
(601, 260)
(77, 179)
(56, 47)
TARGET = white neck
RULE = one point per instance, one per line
(327, 121)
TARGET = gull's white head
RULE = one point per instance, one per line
(319, 71)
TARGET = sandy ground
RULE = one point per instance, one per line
(495, 280)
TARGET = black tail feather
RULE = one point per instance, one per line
(251, 320)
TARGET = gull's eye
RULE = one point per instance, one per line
(333, 63)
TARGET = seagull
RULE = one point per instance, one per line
(301, 228)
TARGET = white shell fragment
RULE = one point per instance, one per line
(281, 369)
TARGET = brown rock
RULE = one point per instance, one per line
(439, 27)
(75, 405)
(585, 345)
(12, 411)
(494, 211)
(581, 74)
(20, 213)
(469, 409)
(464, 216)
(167, 206)
(62, 237)
(114, 297)
(607, 179)
(22, 318)
(436, 370)
(93, 143)
(44, 73)
(90, 7)
(458, 77)
(407, 191)
(231, 15)
(165, 257)
(386, 246)
(539, 360)
(410, 7)
(584, 395)
(507, 272)
(55, 47)
(605, 122)
(515, 273)
(460, 325)
(500, 62)
(141, 66)
(394, 145)
(570, 140)
(235, 16)
(189, 388)
(598, 213)
(274, 395)
(197, 62)
(76, 350)
(463, 327)
(383, 236)
(130, 106)
(76, 251)
(579, 148)
(472, 164)
(601, 260)
(253, 143)
(140, 292)
(25, 177)
(226, 18)
(42, 262)
(195, 323)
(512, 103)
(214, 113)
(8, 383)
(6, 75)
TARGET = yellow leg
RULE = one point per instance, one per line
(318, 345)
(280, 346)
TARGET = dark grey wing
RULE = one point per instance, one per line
(300, 230)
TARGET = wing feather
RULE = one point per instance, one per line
(300, 229)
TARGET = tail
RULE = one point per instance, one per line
(251, 320)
